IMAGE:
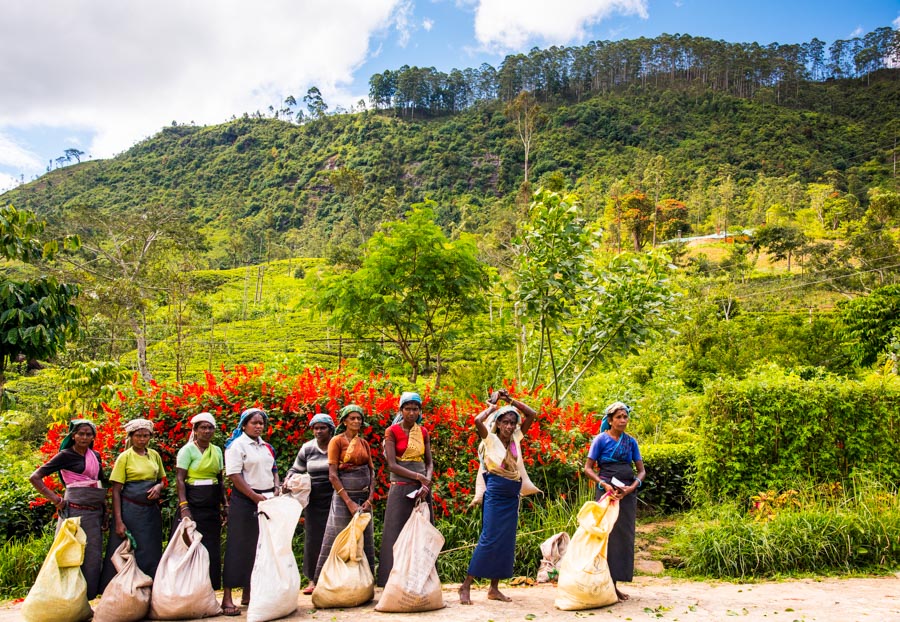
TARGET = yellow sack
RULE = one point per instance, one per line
(127, 597)
(414, 584)
(584, 580)
(59, 593)
(181, 588)
(346, 579)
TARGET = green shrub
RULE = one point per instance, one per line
(20, 561)
(670, 467)
(857, 531)
(17, 517)
(768, 431)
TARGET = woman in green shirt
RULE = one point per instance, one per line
(201, 496)
(137, 485)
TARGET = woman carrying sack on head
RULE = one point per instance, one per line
(313, 459)
(352, 475)
(612, 460)
(499, 452)
(250, 465)
(407, 451)
(201, 493)
(137, 485)
(80, 470)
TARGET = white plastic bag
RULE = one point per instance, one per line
(584, 579)
(275, 581)
(346, 579)
(552, 551)
(59, 593)
(413, 584)
(127, 597)
(299, 486)
(181, 588)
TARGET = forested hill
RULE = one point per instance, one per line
(259, 187)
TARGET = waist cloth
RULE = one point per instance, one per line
(620, 554)
(143, 518)
(356, 483)
(495, 553)
(90, 504)
(399, 508)
(205, 504)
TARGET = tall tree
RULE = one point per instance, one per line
(526, 114)
(415, 288)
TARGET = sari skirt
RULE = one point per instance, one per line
(356, 484)
(399, 509)
(90, 504)
(620, 554)
(495, 553)
(143, 519)
(205, 503)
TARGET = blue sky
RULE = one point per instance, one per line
(101, 75)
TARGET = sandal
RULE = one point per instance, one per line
(231, 610)
(309, 588)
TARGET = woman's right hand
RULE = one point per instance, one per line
(120, 528)
(186, 512)
(353, 506)
(258, 497)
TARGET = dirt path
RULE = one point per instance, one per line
(652, 598)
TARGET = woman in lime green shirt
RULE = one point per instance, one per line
(137, 485)
(201, 496)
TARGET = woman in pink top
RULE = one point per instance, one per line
(80, 470)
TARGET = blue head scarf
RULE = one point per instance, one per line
(405, 397)
(240, 426)
(610, 411)
(323, 418)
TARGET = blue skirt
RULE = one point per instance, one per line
(496, 550)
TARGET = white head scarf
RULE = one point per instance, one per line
(203, 417)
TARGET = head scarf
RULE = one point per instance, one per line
(346, 410)
(323, 418)
(134, 425)
(509, 408)
(74, 424)
(245, 416)
(610, 410)
(405, 397)
(203, 417)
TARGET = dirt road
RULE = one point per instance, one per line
(652, 598)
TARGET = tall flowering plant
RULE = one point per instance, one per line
(555, 446)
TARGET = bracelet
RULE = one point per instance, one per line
(640, 483)
(183, 503)
(338, 493)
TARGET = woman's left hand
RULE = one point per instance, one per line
(366, 506)
(155, 491)
(423, 492)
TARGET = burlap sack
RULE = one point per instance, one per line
(127, 597)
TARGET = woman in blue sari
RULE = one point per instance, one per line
(612, 461)
(500, 454)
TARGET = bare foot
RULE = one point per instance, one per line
(495, 594)
(621, 595)
(464, 598)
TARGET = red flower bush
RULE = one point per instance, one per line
(554, 447)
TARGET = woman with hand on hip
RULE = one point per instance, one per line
(81, 471)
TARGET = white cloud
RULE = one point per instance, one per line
(896, 22)
(14, 155)
(427, 24)
(857, 32)
(504, 25)
(403, 22)
(122, 70)
(8, 182)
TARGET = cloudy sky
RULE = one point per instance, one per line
(100, 75)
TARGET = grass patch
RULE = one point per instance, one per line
(20, 561)
(806, 530)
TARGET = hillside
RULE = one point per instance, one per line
(252, 180)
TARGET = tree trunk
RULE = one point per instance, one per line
(140, 335)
